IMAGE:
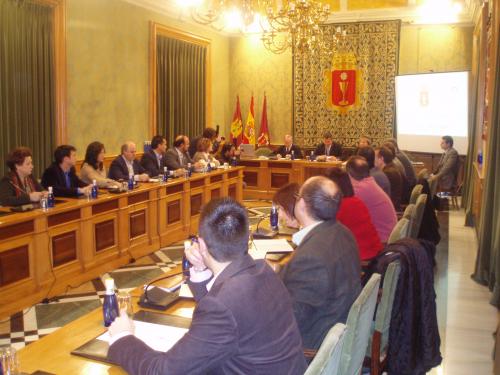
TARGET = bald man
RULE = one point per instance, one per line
(288, 147)
(126, 164)
(323, 275)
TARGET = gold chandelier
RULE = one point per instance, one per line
(284, 24)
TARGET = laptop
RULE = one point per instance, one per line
(247, 151)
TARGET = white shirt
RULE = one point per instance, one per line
(299, 236)
(181, 157)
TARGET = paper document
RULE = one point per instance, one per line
(157, 336)
(185, 292)
(271, 246)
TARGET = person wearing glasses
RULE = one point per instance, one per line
(323, 275)
(19, 186)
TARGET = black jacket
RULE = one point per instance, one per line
(335, 150)
(54, 176)
(118, 169)
(150, 163)
(8, 192)
(296, 150)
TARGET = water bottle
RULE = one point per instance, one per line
(131, 181)
(209, 167)
(293, 155)
(110, 304)
(273, 218)
(165, 174)
(95, 190)
(51, 202)
(480, 157)
(186, 264)
(312, 155)
(234, 161)
(189, 170)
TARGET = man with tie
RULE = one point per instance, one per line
(288, 147)
(328, 149)
(153, 160)
(126, 165)
(447, 169)
(61, 174)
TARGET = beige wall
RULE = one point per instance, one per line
(108, 72)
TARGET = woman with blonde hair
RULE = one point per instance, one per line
(203, 155)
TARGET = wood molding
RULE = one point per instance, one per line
(159, 29)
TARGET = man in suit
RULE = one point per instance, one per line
(243, 322)
(153, 161)
(380, 178)
(209, 133)
(61, 174)
(288, 147)
(125, 165)
(323, 275)
(328, 149)
(447, 169)
(177, 157)
(410, 173)
(384, 162)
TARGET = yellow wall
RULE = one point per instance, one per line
(108, 72)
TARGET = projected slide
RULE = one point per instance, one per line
(429, 106)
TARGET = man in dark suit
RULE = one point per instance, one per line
(209, 133)
(125, 165)
(61, 174)
(153, 160)
(243, 322)
(177, 157)
(323, 276)
(384, 162)
(328, 148)
(447, 169)
(288, 147)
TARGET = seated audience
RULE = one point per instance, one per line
(153, 160)
(61, 174)
(209, 133)
(126, 165)
(355, 216)
(243, 322)
(447, 169)
(227, 153)
(93, 167)
(323, 276)
(288, 147)
(203, 156)
(383, 161)
(19, 186)
(410, 173)
(177, 157)
(380, 178)
(328, 149)
(285, 199)
(399, 166)
(364, 141)
(376, 200)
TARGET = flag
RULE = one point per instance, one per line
(264, 138)
(236, 135)
(249, 133)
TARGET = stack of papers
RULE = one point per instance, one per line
(260, 248)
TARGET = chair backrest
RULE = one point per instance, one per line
(418, 214)
(433, 185)
(326, 361)
(409, 211)
(359, 323)
(400, 230)
(417, 190)
(384, 309)
(424, 173)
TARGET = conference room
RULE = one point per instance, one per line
(336, 160)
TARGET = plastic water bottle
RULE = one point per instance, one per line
(51, 202)
(95, 190)
(165, 174)
(131, 181)
(312, 155)
(110, 304)
(273, 218)
(189, 170)
(293, 155)
(209, 167)
(186, 264)
(480, 157)
(234, 161)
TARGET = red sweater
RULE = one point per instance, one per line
(355, 216)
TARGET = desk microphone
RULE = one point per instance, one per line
(157, 298)
(261, 233)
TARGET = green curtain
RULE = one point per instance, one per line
(181, 87)
(487, 270)
(27, 90)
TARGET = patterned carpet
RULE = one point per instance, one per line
(37, 321)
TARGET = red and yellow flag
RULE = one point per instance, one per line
(249, 133)
(264, 138)
(236, 135)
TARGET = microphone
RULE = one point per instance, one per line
(157, 298)
(261, 233)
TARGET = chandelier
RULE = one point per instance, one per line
(284, 24)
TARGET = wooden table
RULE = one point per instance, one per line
(44, 252)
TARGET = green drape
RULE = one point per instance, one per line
(181, 87)
(27, 90)
(488, 258)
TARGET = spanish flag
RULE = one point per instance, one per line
(264, 138)
(249, 133)
(237, 125)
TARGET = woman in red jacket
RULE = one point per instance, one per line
(355, 216)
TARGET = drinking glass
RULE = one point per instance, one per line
(125, 303)
(8, 361)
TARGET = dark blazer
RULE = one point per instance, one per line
(335, 150)
(296, 149)
(172, 159)
(396, 181)
(243, 325)
(447, 169)
(193, 145)
(150, 163)
(8, 195)
(118, 169)
(323, 278)
(54, 176)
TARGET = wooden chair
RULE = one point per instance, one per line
(327, 358)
